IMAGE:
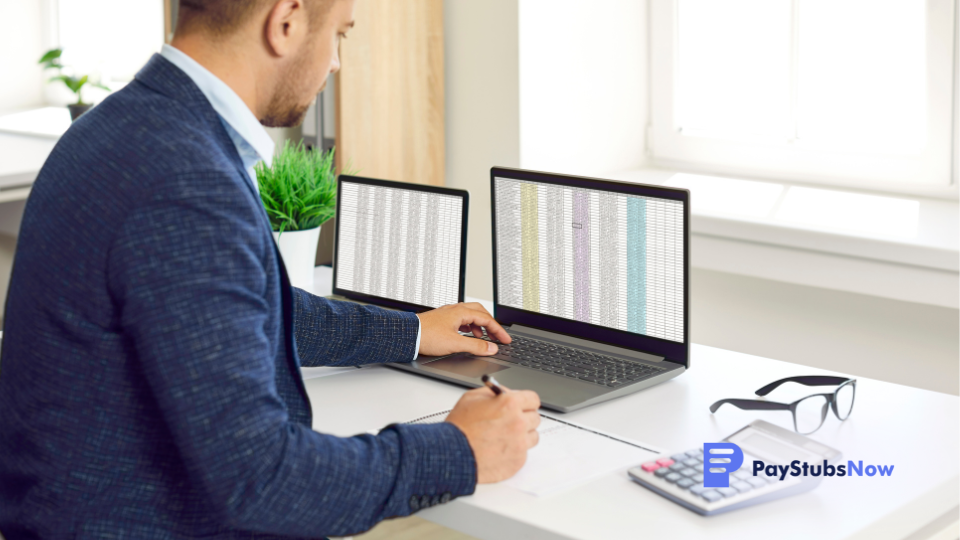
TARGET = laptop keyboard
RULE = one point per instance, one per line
(573, 363)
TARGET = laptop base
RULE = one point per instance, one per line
(557, 392)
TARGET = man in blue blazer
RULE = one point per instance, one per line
(150, 380)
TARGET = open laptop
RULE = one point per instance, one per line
(590, 281)
(398, 245)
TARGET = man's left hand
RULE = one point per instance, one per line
(439, 330)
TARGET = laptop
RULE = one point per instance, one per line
(591, 282)
(398, 245)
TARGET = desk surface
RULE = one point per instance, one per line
(917, 431)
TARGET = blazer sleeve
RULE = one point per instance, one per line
(186, 273)
(331, 333)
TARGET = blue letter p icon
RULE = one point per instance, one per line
(719, 460)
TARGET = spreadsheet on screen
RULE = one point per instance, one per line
(399, 244)
(609, 259)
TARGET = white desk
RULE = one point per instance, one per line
(917, 431)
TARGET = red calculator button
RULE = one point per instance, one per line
(650, 467)
(665, 462)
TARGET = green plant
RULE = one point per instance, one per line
(51, 60)
(299, 190)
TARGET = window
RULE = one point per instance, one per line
(846, 92)
(109, 39)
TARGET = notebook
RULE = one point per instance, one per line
(568, 455)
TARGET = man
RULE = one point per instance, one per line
(150, 382)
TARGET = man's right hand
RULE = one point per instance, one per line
(500, 429)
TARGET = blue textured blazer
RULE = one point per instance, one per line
(150, 379)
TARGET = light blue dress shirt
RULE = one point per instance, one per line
(248, 135)
(251, 139)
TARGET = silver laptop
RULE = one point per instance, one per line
(590, 281)
(398, 245)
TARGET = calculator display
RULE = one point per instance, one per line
(773, 451)
(770, 448)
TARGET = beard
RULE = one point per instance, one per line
(282, 114)
(286, 109)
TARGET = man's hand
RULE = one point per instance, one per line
(439, 330)
(500, 429)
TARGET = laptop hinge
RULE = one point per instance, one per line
(536, 333)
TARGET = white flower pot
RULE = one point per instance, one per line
(299, 252)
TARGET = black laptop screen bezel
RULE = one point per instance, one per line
(672, 351)
(389, 302)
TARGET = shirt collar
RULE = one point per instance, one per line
(226, 102)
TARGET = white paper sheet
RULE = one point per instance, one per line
(569, 455)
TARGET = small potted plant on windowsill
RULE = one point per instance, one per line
(299, 193)
(51, 60)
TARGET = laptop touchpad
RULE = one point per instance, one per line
(466, 365)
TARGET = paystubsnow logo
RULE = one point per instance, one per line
(724, 458)
(719, 460)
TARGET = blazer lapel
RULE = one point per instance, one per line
(164, 77)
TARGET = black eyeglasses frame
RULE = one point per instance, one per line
(806, 380)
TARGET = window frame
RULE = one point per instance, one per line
(795, 162)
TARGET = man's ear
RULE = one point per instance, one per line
(286, 26)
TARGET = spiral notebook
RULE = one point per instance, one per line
(568, 455)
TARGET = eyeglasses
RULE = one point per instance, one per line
(809, 412)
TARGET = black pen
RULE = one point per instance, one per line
(492, 384)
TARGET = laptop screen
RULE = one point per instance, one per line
(400, 242)
(599, 253)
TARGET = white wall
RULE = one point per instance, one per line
(583, 85)
(555, 85)
(20, 31)
(482, 114)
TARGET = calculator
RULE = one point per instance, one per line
(679, 476)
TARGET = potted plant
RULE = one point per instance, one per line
(299, 192)
(51, 60)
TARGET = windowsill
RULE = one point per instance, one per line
(918, 264)
(26, 139)
(47, 122)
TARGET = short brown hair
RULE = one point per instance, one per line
(224, 16)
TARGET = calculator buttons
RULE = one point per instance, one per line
(680, 477)
(741, 486)
(712, 495)
(756, 482)
(727, 491)
(685, 471)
